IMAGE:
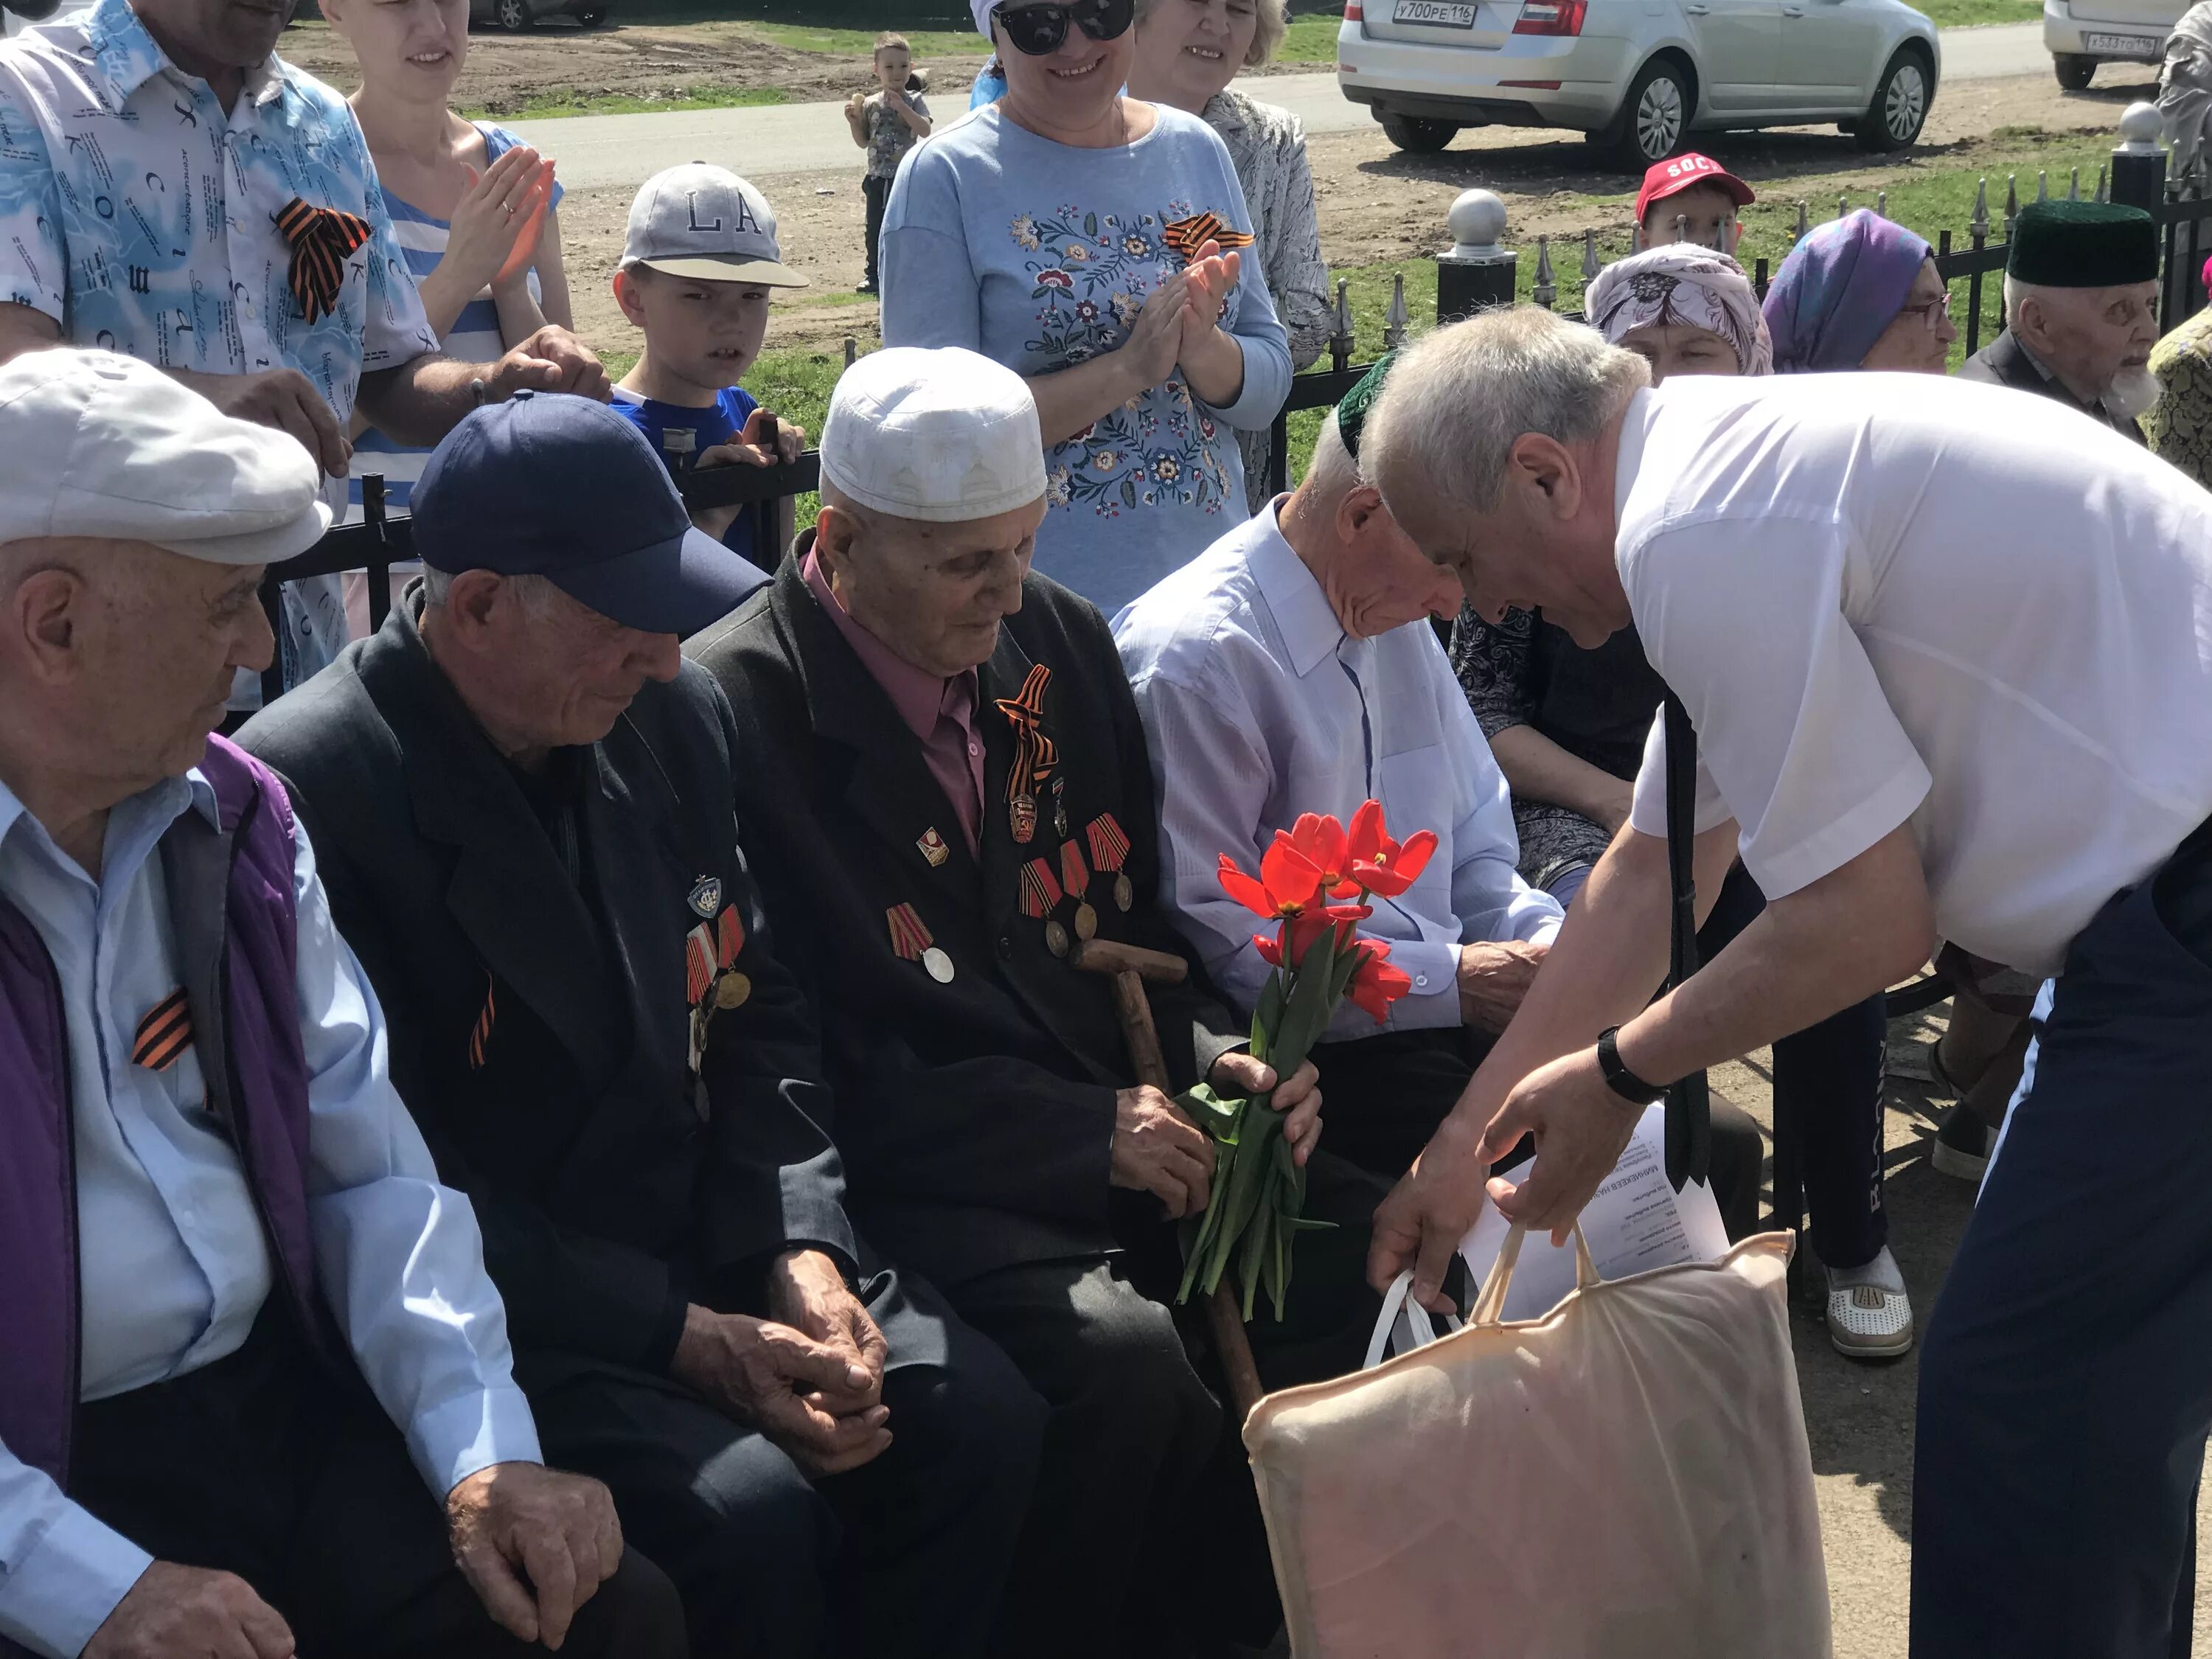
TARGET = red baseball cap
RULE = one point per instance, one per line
(1665, 179)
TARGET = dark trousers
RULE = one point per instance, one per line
(905, 1555)
(1828, 1081)
(1384, 1096)
(877, 192)
(263, 1465)
(1130, 1428)
(2066, 1374)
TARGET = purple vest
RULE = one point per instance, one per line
(230, 900)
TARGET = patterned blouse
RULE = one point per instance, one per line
(1268, 147)
(2180, 426)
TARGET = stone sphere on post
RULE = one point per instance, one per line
(2141, 129)
(1477, 271)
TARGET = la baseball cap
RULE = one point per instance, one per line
(705, 222)
(1665, 179)
(547, 484)
(94, 444)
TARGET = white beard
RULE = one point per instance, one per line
(2131, 393)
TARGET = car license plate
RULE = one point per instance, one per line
(2141, 47)
(1437, 14)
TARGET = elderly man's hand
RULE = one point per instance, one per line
(173, 1609)
(1158, 1150)
(534, 1543)
(551, 359)
(1429, 1212)
(1581, 1128)
(1299, 1099)
(284, 398)
(775, 1379)
(1493, 978)
(807, 1292)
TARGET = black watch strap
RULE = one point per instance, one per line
(1618, 1078)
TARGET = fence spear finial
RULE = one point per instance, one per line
(1881, 203)
(1395, 318)
(2073, 186)
(1979, 224)
(1682, 227)
(2042, 185)
(852, 352)
(1591, 265)
(1545, 289)
(2102, 186)
(1803, 224)
(1843, 206)
(1339, 339)
(2012, 202)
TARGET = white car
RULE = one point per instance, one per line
(2083, 33)
(1639, 77)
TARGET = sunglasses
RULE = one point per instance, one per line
(1037, 30)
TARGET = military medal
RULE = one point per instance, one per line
(732, 990)
(706, 897)
(711, 980)
(1040, 896)
(1060, 808)
(1086, 921)
(911, 942)
(1055, 936)
(1109, 850)
(932, 848)
(1077, 880)
(937, 965)
(1034, 754)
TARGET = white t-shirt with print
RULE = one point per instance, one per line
(1885, 597)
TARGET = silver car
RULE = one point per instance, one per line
(1639, 76)
(2083, 33)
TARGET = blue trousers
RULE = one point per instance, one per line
(2066, 1374)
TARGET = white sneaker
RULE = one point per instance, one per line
(1870, 1315)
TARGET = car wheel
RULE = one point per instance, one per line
(1418, 136)
(1655, 118)
(1893, 120)
(2074, 73)
(513, 15)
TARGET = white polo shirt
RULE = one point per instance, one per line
(1887, 596)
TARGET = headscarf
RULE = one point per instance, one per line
(1684, 285)
(1839, 289)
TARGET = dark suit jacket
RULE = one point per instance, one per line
(2001, 362)
(611, 1188)
(978, 1115)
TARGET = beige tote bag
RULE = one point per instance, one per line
(1625, 1478)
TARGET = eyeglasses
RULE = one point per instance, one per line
(1037, 30)
(1928, 309)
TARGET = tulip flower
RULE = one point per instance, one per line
(1321, 842)
(1291, 940)
(1376, 983)
(1288, 886)
(1379, 864)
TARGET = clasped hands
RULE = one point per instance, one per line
(810, 1377)
(1158, 1151)
(1182, 313)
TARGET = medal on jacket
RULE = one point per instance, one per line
(1060, 808)
(931, 846)
(1041, 896)
(1077, 880)
(911, 942)
(1109, 850)
(706, 897)
(711, 980)
(1034, 754)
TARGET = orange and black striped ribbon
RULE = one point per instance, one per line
(1187, 236)
(1040, 892)
(1110, 847)
(322, 240)
(480, 1035)
(164, 1034)
(1034, 754)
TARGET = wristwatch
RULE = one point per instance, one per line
(1618, 1078)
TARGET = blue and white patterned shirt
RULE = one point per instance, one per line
(141, 217)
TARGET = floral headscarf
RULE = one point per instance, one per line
(1839, 289)
(1683, 286)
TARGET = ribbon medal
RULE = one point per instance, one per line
(164, 1034)
(1040, 896)
(711, 979)
(1034, 754)
(322, 239)
(1077, 880)
(911, 942)
(1109, 850)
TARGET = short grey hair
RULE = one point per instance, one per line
(536, 593)
(1334, 473)
(1457, 402)
(1275, 23)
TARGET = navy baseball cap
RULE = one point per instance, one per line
(552, 485)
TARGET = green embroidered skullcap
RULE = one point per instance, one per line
(1351, 408)
(2082, 245)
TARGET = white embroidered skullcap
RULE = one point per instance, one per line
(942, 434)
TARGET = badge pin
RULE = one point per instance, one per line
(932, 848)
(1060, 808)
(707, 897)
(1056, 937)
(937, 965)
(732, 990)
(1021, 817)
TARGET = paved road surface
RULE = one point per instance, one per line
(618, 150)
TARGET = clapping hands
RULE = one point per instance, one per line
(496, 225)
(1207, 281)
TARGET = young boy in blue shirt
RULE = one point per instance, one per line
(698, 269)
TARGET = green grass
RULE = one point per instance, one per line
(569, 101)
(1967, 14)
(1310, 40)
(861, 43)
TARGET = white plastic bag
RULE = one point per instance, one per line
(1625, 1478)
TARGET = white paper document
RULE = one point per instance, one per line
(1636, 1222)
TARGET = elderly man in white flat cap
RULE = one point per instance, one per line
(944, 782)
(257, 1385)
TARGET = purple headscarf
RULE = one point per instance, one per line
(1839, 289)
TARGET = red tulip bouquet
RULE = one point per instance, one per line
(1319, 958)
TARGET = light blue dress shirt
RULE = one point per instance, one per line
(1258, 706)
(173, 1265)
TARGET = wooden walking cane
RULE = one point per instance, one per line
(1128, 966)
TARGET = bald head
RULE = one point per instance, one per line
(933, 591)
